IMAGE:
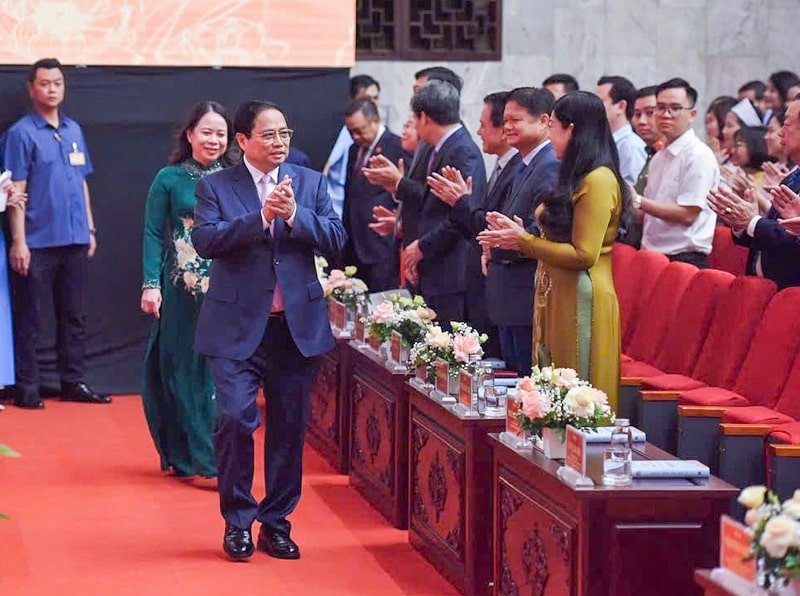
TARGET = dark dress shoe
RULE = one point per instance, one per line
(238, 543)
(277, 544)
(81, 392)
(29, 404)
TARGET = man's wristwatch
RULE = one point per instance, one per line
(93, 231)
(637, 201)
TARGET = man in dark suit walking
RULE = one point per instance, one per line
(439, 258)
(263, 320)
(375, 256)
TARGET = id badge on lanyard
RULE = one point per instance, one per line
(76, 158)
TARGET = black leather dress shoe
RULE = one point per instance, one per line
(277, 544)
(238, 543)
(29, 404)
(81, 392)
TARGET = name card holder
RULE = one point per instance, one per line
(441, 390)
(574, 470)
(734, 548)
(466, 406)
(513, 435)
(396, 362)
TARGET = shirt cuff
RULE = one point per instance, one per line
(264, 221)
(290, 221)
(751, 227)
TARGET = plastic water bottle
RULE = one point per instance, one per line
(618, 455)
(476, 370)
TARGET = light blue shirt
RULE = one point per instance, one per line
(632, 154)
(337, 174)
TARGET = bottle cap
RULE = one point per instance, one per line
(622, 422)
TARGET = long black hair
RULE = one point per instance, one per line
(183, 149)
(591, 146)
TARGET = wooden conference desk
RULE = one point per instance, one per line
(645, 539)
(328, 428)
(450, 491)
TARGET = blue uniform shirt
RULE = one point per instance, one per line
(35, 151)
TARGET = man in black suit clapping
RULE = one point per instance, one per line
(375, 256)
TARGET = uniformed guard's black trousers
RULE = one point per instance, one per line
(58, 277)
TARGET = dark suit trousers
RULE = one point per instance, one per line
(448, 307)
(516, 346)
(56, 276)
(286, 376)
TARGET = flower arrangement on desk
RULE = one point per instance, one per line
(410, 317)
(555, 397)
(342, 286)
(776, 535)
(455, 347)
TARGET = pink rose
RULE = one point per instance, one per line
(526, 384)
(464, 346)
(567, 378)
(383, 312)
(336, 275)
(534, 403)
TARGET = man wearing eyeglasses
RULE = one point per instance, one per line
(677, 219)
(263, 320)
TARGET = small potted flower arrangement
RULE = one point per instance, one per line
(553, 398)
(410, 317)
(775, 546)
(342, 286)
(455, 347)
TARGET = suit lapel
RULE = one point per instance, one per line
(502, 186)
(244, 189)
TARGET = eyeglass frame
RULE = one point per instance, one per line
(672, 109)
(269, 136)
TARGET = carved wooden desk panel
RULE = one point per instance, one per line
(379, 436)
(328, 428)
(450, 491)
(646, 539)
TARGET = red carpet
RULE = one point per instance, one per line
(92, 514)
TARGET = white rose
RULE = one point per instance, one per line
(204, 284)
(438, 338)
(752, 518)
(567, 377)
(752, 496)
(792, 506)
(780, 533)
(582, 400)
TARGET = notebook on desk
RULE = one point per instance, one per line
(668, 468)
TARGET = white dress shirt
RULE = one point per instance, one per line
(681, 173)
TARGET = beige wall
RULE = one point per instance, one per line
(715, 44)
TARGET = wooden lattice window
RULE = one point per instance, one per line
(428, 29)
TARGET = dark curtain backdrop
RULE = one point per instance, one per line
(130, 116)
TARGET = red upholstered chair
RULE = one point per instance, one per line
(736, 317)
(683, 340)
(625, 282)
(659, 312)
(760, 381)
(725, 254)
(634, 287)
(687, 333)
(744, 429)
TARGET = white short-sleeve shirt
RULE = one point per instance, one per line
(681, 173)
